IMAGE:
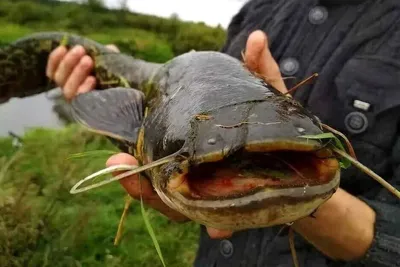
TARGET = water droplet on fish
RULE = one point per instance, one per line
(254, 115)
(305, 189)
(269, 94)
(212, 141)
(165, 139)
(301, 130)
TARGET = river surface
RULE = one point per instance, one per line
(20, 114)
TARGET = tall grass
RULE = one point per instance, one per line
(41, 224)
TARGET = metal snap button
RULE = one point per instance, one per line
(226, 248)
(289, 66)
(318, 15)
(356, 122)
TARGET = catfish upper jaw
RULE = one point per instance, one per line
(257, 124)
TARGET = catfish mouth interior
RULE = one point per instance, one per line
(244, 173)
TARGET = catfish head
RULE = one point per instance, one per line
(246, 166)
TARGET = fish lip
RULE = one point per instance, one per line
(262, 195)
(269, 145)
(261, 208)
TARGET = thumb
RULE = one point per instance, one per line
(132, 184)
(258, 59)
(143, 188)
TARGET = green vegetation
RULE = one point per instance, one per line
(41, 224)
(147, 37)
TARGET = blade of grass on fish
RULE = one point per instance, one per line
(131, 170)
(369, 172)
(93, 153)
(344, 138)
(344, 162)
(128, 202)
(347, 160)
(149, 227)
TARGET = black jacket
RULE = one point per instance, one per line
(354, 46)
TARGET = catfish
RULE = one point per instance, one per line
(218, 143)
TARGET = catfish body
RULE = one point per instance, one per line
(209, 107)
(234, 142)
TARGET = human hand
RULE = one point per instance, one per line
(144, 188)
(258, 59)
(70, 69)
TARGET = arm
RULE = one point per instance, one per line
(343, 227)
(356, 229)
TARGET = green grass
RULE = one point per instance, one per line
(41, 224)
(10, 32)
(140, 43)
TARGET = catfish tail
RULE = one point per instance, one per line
(23, 65)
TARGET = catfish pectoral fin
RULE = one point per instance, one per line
(116, 112)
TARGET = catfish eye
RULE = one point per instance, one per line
(301, 130)
(212, 141)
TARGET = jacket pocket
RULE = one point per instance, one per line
(368, 89)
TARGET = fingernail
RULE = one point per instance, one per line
(77, 49)
(86, 62)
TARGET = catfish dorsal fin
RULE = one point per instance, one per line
(116, 112)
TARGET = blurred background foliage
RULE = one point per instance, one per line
(41, 224)
(144, 36)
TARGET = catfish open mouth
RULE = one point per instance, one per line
(247, 172)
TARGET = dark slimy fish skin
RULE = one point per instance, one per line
(201, 107)
(214, 84)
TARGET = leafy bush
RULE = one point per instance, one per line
(27, 12)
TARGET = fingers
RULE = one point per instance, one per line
(258, 58)
(55, 58)
(88, 84)
(218, 234)
(77, 81)
(70, 70)
(143, 187)
(67, 65)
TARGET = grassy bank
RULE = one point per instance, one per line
(41, 224)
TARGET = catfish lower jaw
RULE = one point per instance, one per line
(255, 189)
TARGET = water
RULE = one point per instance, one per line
(20, 114)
